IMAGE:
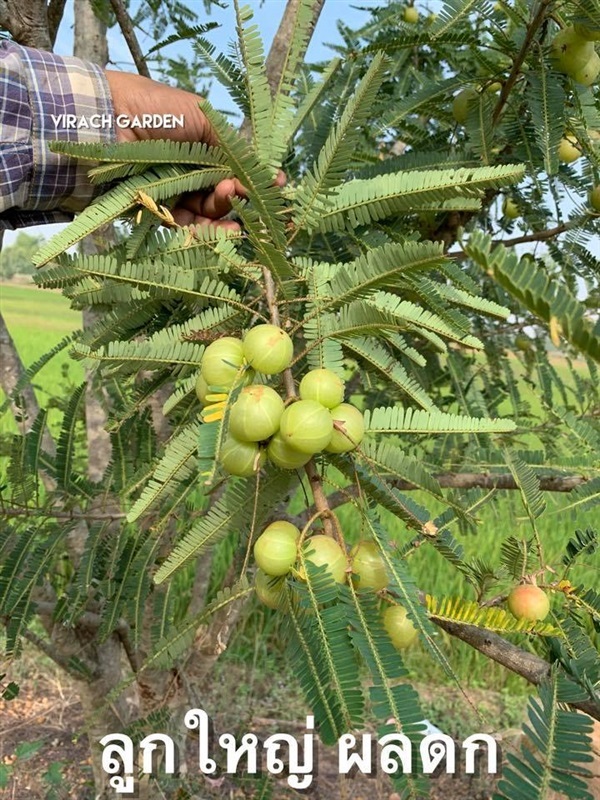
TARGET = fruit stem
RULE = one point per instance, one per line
(320, 498)
(314, 479)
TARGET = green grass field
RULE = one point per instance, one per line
(39, 319)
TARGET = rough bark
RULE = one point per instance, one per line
(128, 32)
(276, 59)
(27, 22)
(56, 9)
(26, 408)
(90, 43)
(529, 666)
(472, 480)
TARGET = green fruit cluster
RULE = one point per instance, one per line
(260, 425)
(276, 553)
(574, 54)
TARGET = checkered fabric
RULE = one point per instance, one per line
(36, 185)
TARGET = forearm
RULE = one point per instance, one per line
(37, 88)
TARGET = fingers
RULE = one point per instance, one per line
(184, 217)
(215, 204)
(201, 208)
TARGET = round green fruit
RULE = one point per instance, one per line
(201, 388)
(369, 566)
(587, 32)
(321, 549)
(241, 458)
(306, 426)
(324, 386)
(399, 627)
(595, 198)
(510, 208)
(568, 150)
(588, 73)
(527, 601)
(523, 342)
(284, 456)
(348, 428)
(460, 104)
(275, 550)
(268, 349)
(222, 360)
(269, 590)
(570, 52)
(411, 15)
(494, 87)
(256, 414)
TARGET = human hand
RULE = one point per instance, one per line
(134, 95)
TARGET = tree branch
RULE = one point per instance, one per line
(27, 22)
(276, 59)
(472, 480)
(529, 666)
(56, 9)
(128, 32)
(12, 372)
(532, 29)
(536, 236)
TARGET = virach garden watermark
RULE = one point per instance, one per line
(284, 754)
(104, 121)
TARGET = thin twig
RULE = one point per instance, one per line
(536, 236)
(128, 32)
(532, 29)
(50, 514)
(472, 480)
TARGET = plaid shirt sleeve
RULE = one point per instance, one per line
(36, 89)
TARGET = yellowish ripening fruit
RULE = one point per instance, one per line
(324, 386)
(348, 428)
(568, 150)
(241, 458)
(256, 414)
(221, 361)
(284, 456)
(460, 104)
(411, 15)
(368, 567)
(399, 627)
(523, 342)
(570, 52)
(595, 198)
(268, 349)
(588, 73)
(510, 208)
(321, 549)
(275, 550)
(269, 590)
(528, 602)
(306, 426)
